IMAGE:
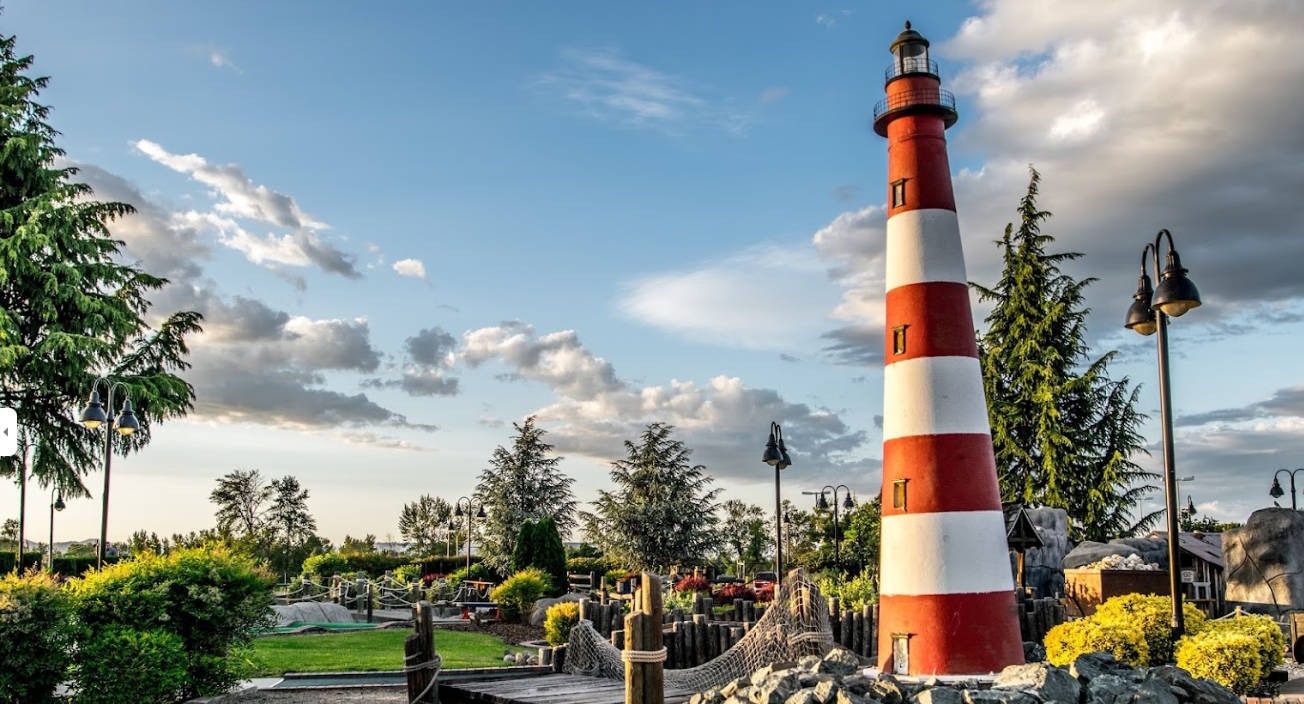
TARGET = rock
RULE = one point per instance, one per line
(1268, 548)
(539, 613)
(509, 658)
(1089, 551)
(1044, 566)
(1199, 691)
(887, 689)
(840, 661)
(1033, 652)
(1154, 691)
(522, 658)
(761, 675)
(1047, 681)
(858, 684)
(812, 679)
(1001, 696)
(845, 697)
(532, 660)
(938, 695)
(826, 691)
(732, 688)
(803, 696)
(1152, 550)
(1088, 666)
(710, 696)
(1108, 689)
(775, 690)
(809, 663)
(311, 612)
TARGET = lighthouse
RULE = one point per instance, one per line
(946, 591)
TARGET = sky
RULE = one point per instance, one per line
(410, 225)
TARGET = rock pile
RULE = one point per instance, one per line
(1096, 678)
(1118, 562)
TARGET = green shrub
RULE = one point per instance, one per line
(1230, 659)
(517, 595)
(539, 545)
(615, 575)
(479, 573)
(30, 560)
(1265, 632)
(407, 574)
(853, 593)
(560, 620)
(124, 665)
(77, 565)
(210, 597)
(679, 600)
(1065, 642)
(1153, 616)
(37, 630)
(373, 563)
(586, 565)
(323, 567)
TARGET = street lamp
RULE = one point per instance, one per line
(92, 417)
(55, 505)
(776, 455)
(822, 504)
(458, 513)
(1276, 492)
(448, 542)
(1147, 315)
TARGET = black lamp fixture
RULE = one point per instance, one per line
(776, 455)
(822, 504)
(56, 505)
(1148, 315)
(1276, 491)
(93, 416)
(459, 513)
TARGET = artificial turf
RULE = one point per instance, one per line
(370, 650)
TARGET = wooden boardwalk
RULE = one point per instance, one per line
(548, 689)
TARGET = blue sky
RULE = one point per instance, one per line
(460, 215)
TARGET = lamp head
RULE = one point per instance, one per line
(771, 455)
(1176, 293)
(1276, 492)
(821, 504)
(127, 423)
(848, 503)
(1190, 505)
(481, 513)
(787, 519)
(784, 460)
(452, 525)
(1140, 316)
(458, 512)
(58, 504)
(93, 414)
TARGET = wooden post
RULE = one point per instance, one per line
(419, 651)
(644, 681)
(370, 604)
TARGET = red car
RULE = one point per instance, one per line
(763, 579)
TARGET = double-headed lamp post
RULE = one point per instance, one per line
(1276, 492)
(93, 416)
(1147, 315)
(55, 505)
(822, 504)
(479, 514)
(776, 455)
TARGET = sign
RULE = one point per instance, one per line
(8, 432)
(1188, 576)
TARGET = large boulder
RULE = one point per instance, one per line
(1089, 551)
(1044, 567)
(539, 613)
(1267, 550)
(311, 612)
(1153, 551)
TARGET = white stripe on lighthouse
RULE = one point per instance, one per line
(933, 396)
(924, 245)
(952, 552)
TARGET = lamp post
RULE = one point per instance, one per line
(787, 531)
(92, 417)
(55, 505)
(1276, 492)
(1147, 315)
(458, 513)
(776, 455)
(448, 542)
(822, 504)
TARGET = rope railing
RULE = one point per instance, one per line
(385, 593)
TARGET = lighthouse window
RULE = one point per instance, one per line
(901, 653)
(898, 193)
(899, 494)
(899, 339)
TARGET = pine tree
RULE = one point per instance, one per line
(551, 557)
(70, 310)
(662, 512)
(525, 552)
(291, 524)
(1064, 433)
(521, 483)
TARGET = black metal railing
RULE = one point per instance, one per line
(913, 98)
(909, 65)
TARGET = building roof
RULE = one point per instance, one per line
(1205, 546)
(1020, 534)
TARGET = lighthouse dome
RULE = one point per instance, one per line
(909, 43)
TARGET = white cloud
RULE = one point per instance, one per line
(410, 267)
(769, 95)
(221, 58)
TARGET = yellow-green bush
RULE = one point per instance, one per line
(560, 620)
(1230, 659)
(1153, 616)
(1266, 634)
(517, 595)
(1065, 642)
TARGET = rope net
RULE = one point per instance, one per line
(796, 625)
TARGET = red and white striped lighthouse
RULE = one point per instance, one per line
(947, 594)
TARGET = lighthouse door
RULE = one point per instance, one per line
(901, 654)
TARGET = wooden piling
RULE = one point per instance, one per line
(419, 654)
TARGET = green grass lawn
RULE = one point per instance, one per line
(370, 650)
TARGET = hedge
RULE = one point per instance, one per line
(30, 559)
(78, 565)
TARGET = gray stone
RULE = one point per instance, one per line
(826, 691)
(1089, 551)
(1108, 689)
(1000, 696)
(887, 689)
(521, 658)
(840, 661)
(1153, 551)
(1033, 652)
(1269, 548)
(809, 662)
(803, 696)
(1154, 691)
(539, 613)
(1088, 666)
(761, 675)
(858, 684)
(1044, 566)
(775, 690)
(845, 697)
(812, 679)
(730, 689)
(938, 695)
(311, 612)
(1047, 681)
(1199, 691)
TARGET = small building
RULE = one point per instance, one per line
(1020, 537)
(1202, 566)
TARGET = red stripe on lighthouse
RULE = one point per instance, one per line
(944, 473)
(986, 639)
(937, 320)
(917, 153)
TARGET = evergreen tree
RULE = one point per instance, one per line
(521, 483)
(424, 523)
(291, 524)
(526, 550)
(662, 512)
(70, 310)
(1064, 433)
(551, 556)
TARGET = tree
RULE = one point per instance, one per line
(746, 531)
(143, 543)
(241, 499)
(424, 523)
(801, 537)
(522, 483)
(539, 545)
(861, 536)
(290, 523)
(662, 512)
(1064, 433)
(70, 309)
